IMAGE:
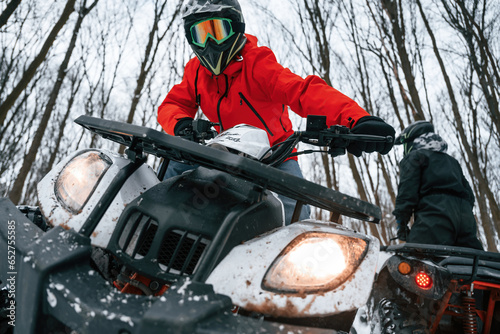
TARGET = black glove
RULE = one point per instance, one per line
(403, 230)
(184, 127)
(371, 125)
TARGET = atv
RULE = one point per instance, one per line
(114, 248)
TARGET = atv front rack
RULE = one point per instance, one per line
(141, 140)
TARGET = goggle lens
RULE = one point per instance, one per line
(218, 29)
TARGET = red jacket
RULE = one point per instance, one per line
(255, 89)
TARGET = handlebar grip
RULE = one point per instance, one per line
(369, 138)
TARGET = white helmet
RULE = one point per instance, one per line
(244, 139)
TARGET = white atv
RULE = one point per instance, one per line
(115, 250)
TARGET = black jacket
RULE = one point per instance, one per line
(426, 170)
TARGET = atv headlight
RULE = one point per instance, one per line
(79, 178)
(315, 262)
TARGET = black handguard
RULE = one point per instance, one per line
(195, 130)
(184, 128)
(338, 138)
(371, 125)
(203, 130)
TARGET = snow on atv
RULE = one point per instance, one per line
(114, 250)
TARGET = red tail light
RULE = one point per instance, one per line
(423, 281)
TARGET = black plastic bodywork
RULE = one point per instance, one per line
(54, 279)
(441, 277)
(465, 264)
(188, 223)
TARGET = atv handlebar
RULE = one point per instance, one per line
(317, 133)
(336, 137)
(325, 137)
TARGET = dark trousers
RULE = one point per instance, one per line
(444, 220)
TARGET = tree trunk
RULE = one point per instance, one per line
(328, 172)
(31, 70)
(11, 7)
(149, 58)
(62, 126)
(488, 82)
(17, 189)
(361, 192)
(391, 9)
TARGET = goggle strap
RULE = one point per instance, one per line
(238, 26)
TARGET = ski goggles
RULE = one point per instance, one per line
(219, 29)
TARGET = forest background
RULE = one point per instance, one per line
(402, 60)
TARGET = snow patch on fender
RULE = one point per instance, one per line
(51, 299)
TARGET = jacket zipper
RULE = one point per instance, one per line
(220, 100)
(255, 112)
(281, 122)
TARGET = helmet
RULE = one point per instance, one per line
(244, 139)
(215, 31)
(411, 132)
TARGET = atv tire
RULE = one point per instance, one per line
(401, 318)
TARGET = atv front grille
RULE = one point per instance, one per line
(181, 251)
(177, 252)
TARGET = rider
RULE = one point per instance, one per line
(235, 81)
(432, 187)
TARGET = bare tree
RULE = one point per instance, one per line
(150, 53)
(470, 23)
(76, 82)
(396, 20)
(470, 144)
(29, 73)
(13, 59)
(17, 188)
(11, 7)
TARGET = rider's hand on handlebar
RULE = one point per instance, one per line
(371, 125)
(184, 127)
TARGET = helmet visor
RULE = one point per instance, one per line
(219, 29)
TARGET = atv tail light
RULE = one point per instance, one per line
(315, 262)
(404, 268)
(79, 178)
(423, 281)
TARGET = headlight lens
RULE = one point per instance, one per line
(79, 178)
(315, 262)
